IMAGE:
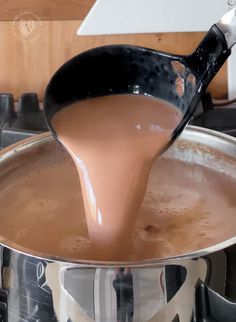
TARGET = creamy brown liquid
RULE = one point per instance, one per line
(186, 206)
(113, 141)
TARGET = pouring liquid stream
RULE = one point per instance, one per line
(113, 141)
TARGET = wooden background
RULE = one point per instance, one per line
(29, 60)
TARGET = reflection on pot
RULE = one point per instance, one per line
(38, 290)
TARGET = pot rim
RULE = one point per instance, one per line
(10, 150)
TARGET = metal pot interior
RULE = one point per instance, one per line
(28, 159)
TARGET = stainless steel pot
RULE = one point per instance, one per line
(190, 287)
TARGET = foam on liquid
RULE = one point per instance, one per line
(186, 207)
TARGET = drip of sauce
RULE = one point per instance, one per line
(113, 141)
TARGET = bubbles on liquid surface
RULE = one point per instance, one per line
(180, 213)
(149, 232)
(75, 243)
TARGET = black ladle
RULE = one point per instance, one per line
(122, 69)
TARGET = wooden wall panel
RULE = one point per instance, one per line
(28, 61)
(45, 9)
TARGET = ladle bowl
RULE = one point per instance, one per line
(122, 69)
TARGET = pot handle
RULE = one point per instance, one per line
(227, 25)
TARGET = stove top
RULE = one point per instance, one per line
(20, 120)
(215, 116)
(25, 118)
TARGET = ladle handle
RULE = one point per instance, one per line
(227, 25)
(209, 57)
(214, 49)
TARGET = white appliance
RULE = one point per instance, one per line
(146, 16)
